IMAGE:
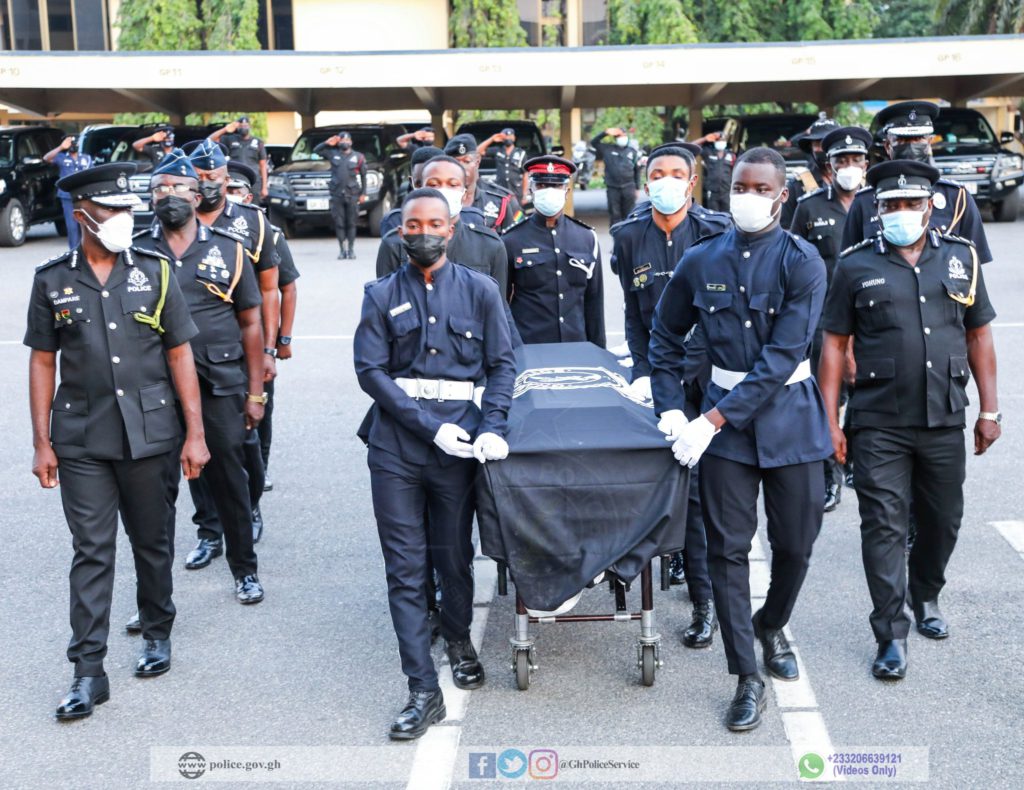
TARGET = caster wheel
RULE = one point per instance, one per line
(648, 665)
(522, 669)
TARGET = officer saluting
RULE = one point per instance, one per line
(348, 188)
(820, 218)
(120, 327)
(915, 303)
(499, 206)
(908, 128)
(554, 262)
(508, 161)
(756, 292)
(429, 335)
(621, 172)
(647, 248)
(220, 288)
(245, 148)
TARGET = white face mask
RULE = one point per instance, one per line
(668, 194)
(720, 145)
(622, 142)
(454, 198)
(115, 233)
(751, 212)
(549, 201)
(850, 178)
(236, 199)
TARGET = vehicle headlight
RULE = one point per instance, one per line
(1008, 166)
(3, 186)
(278, 182)
(373, 180)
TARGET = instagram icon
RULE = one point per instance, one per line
(543, 764)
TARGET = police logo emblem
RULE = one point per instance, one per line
(68, 291)
(849, 140)
(138, 281)
(956, 269)
(240, 225)
(551, 167)
(491, 209)
(214, 258)
(939, 200)
(54, 294)
(461, 150)
(902, 180)
(575, 379)
(912, 116)
(122, 182)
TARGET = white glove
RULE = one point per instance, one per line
(490, 447)
(453, 440)
(672, 423)
(693, 440)
(641, 388)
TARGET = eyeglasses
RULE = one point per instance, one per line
(181, 190)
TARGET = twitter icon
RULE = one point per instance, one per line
(512, 763)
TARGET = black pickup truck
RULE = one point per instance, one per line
(28, 183)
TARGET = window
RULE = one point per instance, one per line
(28, 146)
(595, 22)
(24, 22)
(62, 29)
(543, 22)
(274, 27)
(90, 25)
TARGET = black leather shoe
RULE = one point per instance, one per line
(747, 706)
(778, 655)
(833, 495)
(848, 478)
(930, 622)
(423, 709)
(248, 589)
(257, 524)
(702, 625)
(891, 661)
(84, 694)
(676, 571)
(155, 658)
(203, 554)
(134, 626)
(268, 484)
(467, 671)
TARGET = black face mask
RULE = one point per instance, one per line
(915, 152)
(174, 212)
(424, 249)
(73, 148)
(212, 195)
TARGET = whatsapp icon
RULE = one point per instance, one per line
(811, 766)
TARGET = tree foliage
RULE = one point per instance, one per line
(485, 23)
(980, 17)
(905, 19)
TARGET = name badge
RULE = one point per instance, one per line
(527, 251)
(642, 268)
(715, 286)
(402, 308)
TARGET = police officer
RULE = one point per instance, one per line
(420, 156)
(348, 188)
(908, 128)
(554, 264)
(156, 145)
(473, 244)
(248, 223)
(240, 190)
(621, 172)
(429, 335)
(499, 206)
(915, 302)
(756, 292)
(421, 138)
(69, 160)
(508, 161)
(246, 148)
(646, 250)
(119, 325)
(817, 173)
(820, 217)
(717, 161)
(220, 288)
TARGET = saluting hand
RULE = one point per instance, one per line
(194, 456)
(985, 432)
(44, 466)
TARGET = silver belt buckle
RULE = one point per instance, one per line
(430, 388)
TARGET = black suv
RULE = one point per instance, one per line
(28, 183)
(99, 140)
(299, 189)
(966, 150)
(771, 130)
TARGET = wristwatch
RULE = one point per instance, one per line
(262, 398)
(271, 351)
(284, 340)
(994, 416)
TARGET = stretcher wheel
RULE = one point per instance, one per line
(522, 668)
(648, 664)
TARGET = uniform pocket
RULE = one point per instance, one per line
(141, 304)
(406, 331)
(875, 309)
(468, 338)
(68, 417)
(159, 416)
(956, 290)
(582, 266)
(874, 391)
(959, 375)
(225, 371)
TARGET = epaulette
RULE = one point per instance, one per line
(961, 239)
(479, 227)
(149, 252)
(367, 287)
(252, 207)
(713, 235)
(631, 219)
(228, 233)
(389, 234)
(63, 256)
(858, 246)
(512, 227)
(865, 189)
(717, 219)
(948, 183)
(143, 232)
(580, 222)
(805, 195)
(496, 189)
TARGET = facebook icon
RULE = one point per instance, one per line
(482, 765)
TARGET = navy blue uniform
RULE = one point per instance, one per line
(555, 281)
(348, 184)
(452, 328)
(67, 164)
(621, 176)
(953, 212)
(757, 299)
(908, 409)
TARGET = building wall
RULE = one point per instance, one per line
(370, 25)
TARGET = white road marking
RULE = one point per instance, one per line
(434, 761)
(1013, 531)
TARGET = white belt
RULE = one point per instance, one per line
(727, 379)
(436, 389)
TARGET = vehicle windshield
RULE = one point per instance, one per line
(6, 150)
(100, 143)
(124, 152)
(954, 129)
(365, 142)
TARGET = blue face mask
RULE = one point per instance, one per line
(902, 228)
(549, 201)
(668, 195)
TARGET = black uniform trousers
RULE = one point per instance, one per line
(225, 479)
(266, 426)
(402, 492)
(206, 517)
(833, 469)
(794, 504)
(345, 212)
(621, 201)
(899, 470)
(92, 493)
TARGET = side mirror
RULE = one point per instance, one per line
(31, 160)
(1006, 137)
(558, 150)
